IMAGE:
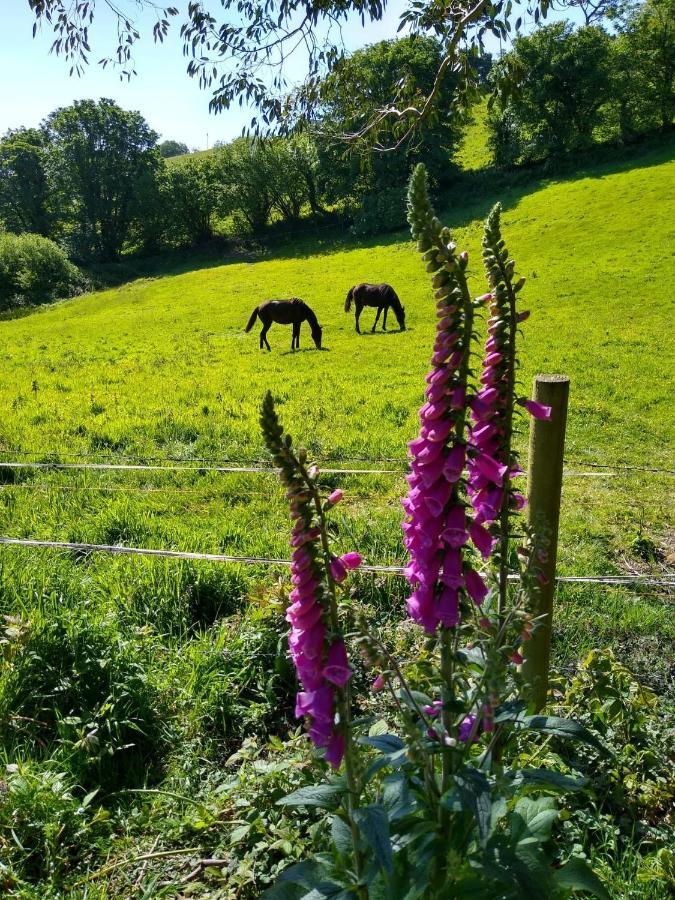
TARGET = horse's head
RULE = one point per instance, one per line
(317, 332)
(401, 318)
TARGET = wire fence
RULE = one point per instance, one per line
(202, 465)
(639, 579)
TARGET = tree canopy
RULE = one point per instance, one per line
(237, 48)
(99, 151)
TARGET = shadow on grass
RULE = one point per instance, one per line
(471, 197)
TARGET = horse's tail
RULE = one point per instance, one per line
(251, 321)
(348, 301)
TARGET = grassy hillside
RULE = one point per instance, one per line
(161, 369)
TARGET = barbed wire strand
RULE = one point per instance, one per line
(666, 581)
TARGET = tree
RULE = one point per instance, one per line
(240, 50)
(195, 194)
(403, 71)
(99, 152)
(172, 148)
(250, 181)
(594, 11)
(564, 78)
(650, 38)
(24, 184)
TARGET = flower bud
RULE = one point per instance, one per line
(335, 497)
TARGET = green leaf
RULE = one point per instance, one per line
(474, 790)
(579, 876)
(294, 881)
(538, 816)
(414, 699)
(544, 778)
(342, 836)
(386, 743)
(240, 832)
(396, 797)
(374, 827)
(328, 889)
(565, 728)
(325, 796)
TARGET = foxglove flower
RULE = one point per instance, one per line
(320, 659)
(436, 529)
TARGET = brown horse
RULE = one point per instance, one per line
(382, 296)
(285, 312)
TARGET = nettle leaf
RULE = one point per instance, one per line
(544, 778)
(324, 796)
(374, 827)
(578, 875)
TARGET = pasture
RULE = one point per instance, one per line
(160, 371)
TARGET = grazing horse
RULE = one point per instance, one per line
(286, 312)
(382, 296)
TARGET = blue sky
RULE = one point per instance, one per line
(36, 82)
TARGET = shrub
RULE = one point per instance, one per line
(46, 825)
(380, 212)
(79, 685)
(241, 678)
(35, 270)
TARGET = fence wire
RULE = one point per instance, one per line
(650, 580)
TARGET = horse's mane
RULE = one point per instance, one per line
(311, 318)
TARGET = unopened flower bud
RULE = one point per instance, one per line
(378, 684)
(336, 496)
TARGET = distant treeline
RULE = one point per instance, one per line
(94, 179)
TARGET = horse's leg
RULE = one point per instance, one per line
(384, 320)
(359, 310)
(263, 336)
(295, 340)
(379, 310)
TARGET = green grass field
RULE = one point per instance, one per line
(160, 370)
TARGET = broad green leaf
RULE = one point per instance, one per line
(579, 876)
(474, 789)
(538, 816)
(565, 728)
(325, 796)
(326, 890)
(396, 797)
(545, 778)
(386, 743)
(374, 827)
(295, 881)
(342, 836)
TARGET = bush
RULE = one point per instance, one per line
(78, 687)
(47, 825)
(380, 212)
(35, 270)
(241, 679)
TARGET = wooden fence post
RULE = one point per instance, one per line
(544, 484)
